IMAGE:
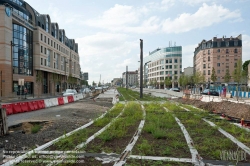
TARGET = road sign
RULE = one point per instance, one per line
(21, 82)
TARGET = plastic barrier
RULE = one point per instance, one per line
(24, 106)
(70, 99)
(41, 104)
(47, 103)
(75, 97)
(60, 100)
(80, 96)
(16, 108)
(9, 108)
(65, 99)
(30, 106)
(54, 102)
(35, 104)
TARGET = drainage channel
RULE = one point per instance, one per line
(40, 148)
(60, 159)
(196, 158)
(132, 142)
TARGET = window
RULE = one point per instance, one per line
(170, 66)
(166, 72)
(54, 55)
(175, 66)
(45, 51)
(235, 64)
(170, 60)
(48, 41)
(204, 72)
(235, 50)
(227, 51)
(208, 65)
(175, 72)
(175, 60)
(218, 44)
(180, 66)
(208, 58)
(54, 65)
(41, 49)
(55, 31)
(235, 43)
(41, 37)
(45, 39)
(218, 71)
(51, 43)
(208, 72)
(218, 64)
(204, 66)
(227, 43)
(45, 62)
(54, 44)
(218, 50)
(166, 61)
(41, 61)
(166, 66)
(208, 52)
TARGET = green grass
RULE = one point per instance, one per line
(35, 128)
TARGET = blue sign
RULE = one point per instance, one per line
(7, 11)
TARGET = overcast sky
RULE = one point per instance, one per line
(108, 31)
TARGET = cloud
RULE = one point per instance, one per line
(187, 55)
(204, 17)
(164, 5)
(107, 54)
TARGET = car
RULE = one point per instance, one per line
(69, 92)
(211, 92)
(85, 90)
(175, 89)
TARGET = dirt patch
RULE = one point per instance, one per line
(72, 116)
(236, 110)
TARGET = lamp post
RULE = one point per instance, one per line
(65, 61)
(126, 77)
(11, 63)
(141, 69)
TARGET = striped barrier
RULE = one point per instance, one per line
(65, 99)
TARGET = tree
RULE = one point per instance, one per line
(227, 76)
(84, 82)
(245, 65)
(238, 74)
(167, 82)
(183, 80)
(93, 83)
(213, 76)
(39, 80)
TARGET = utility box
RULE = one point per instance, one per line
(3, 121)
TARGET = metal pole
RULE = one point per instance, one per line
(1, 84)
(141, 69)
(127, 77)
(11, 65)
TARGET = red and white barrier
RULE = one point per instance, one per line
(65, 99)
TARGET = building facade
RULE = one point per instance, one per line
(188, 71)
(163, 63)
(218, 53)
(132, 78)
(35, 49)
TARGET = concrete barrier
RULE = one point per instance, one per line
(47, 103)
(65, 99)
(54, 101)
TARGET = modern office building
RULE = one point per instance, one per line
(218, 53)
(188, 71)
(162, 63)
(33, 48)
(132, 78)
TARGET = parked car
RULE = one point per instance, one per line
(211, 92)
(85, 90)
(175, 89)
(69, 92)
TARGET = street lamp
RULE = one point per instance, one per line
(65, 61)
(141, 69)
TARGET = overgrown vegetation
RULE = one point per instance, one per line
(35, 128)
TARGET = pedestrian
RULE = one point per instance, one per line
(224, 91)
(25, 92)
(200, 89)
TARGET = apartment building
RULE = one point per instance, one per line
(36, 50)
(162, 63)
(132, 78)
(218, 53)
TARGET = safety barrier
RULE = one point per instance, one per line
(80, 96)
(30, 106)
(60, 100)
(75, 97)
(35, 105)
(9, 108)
(24, 106)
(47, 103)
(70, 99)
(54, 101)
(16, 108)
(41, 104)
(65, 99)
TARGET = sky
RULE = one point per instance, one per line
(108, 32)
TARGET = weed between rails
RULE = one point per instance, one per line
(69, 143)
